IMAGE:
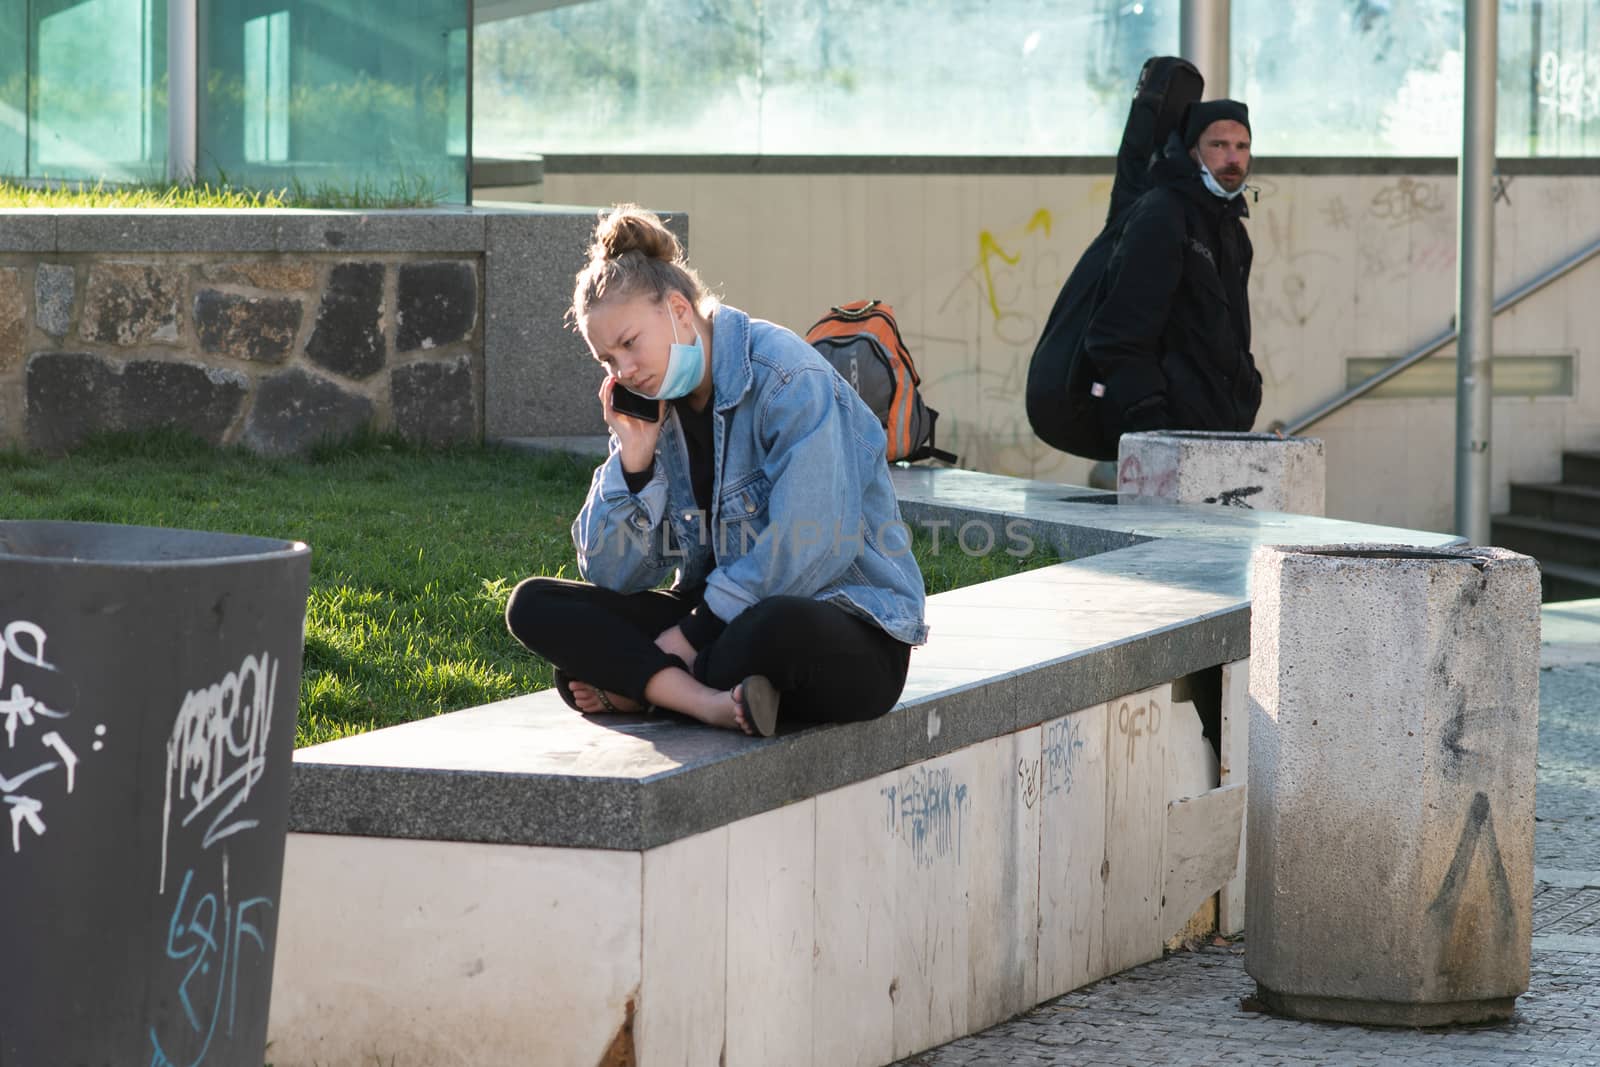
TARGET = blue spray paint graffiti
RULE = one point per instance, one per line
(928, 815)
(212, 979)
(216, 755)
(1052, 772)
(1063, 740)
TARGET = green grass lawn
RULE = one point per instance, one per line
(404, 191)
(413, 553)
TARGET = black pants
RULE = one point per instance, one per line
(829, 665)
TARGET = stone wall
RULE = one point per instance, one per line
(273, 352)
(275, 329)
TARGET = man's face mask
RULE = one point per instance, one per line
(1215, 187)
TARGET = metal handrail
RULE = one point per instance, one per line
(1365, 386)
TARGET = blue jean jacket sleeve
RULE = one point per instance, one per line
(619, 536)
(815, 503)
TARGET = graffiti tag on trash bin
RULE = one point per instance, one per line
(36, 763)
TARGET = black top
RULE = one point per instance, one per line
(701, 626)
(698, 437)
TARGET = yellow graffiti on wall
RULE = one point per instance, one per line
(989, 247)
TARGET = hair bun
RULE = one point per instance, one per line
(630, 228)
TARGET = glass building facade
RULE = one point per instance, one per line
(1009, 77)
(347, 93)
(83, 88)
(370, 92)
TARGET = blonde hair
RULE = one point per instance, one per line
(633, 252)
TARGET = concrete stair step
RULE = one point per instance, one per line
(1548, 541)
(1580, 468)
(1563, 581)
(1558, 502)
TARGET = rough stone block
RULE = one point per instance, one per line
(1393, 732)
(1242, 470)
(348, 338)
(437, 304)
(295, 410)
(71, 395)
(203, 400)
(258, 329)
(13, 318)
(435, 402)
(53, 286)
(132, 303)
(278, 275)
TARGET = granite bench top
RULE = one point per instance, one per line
(1153, 591)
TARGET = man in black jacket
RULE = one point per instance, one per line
(1170, 339)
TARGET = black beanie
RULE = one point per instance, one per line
(1204, 113)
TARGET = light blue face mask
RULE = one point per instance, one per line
(1215, 187)
(686, 365)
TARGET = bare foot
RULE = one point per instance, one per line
(591, 701)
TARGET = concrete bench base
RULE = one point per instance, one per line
(855, 927)
(1387, 1012)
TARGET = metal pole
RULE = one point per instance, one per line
(183, 77)
(1203, 41)
(29, 42)
(1475, 275)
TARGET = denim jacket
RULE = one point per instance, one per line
(801, 502)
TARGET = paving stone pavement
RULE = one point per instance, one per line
(1186, 1009)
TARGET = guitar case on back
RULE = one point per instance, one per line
(1062, 410)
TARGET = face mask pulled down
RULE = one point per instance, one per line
(1215, 187)
(686, 365)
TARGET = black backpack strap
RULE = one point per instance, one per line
(932, 450)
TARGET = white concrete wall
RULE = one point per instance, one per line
(1346, 266)
(856, 927)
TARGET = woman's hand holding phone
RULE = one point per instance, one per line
(636, 436)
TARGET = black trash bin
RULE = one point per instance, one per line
(148, 686)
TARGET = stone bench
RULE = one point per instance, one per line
(517, 884)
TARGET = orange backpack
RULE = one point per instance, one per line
(864, 345)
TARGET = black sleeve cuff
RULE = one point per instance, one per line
(701, 626)
(636, 482)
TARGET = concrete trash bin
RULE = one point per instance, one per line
(149, 683)
(1243, 470)
(1394, 702)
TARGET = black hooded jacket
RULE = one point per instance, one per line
(1170, 337)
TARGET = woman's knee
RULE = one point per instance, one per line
(533, 606)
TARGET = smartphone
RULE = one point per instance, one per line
(627, 402)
